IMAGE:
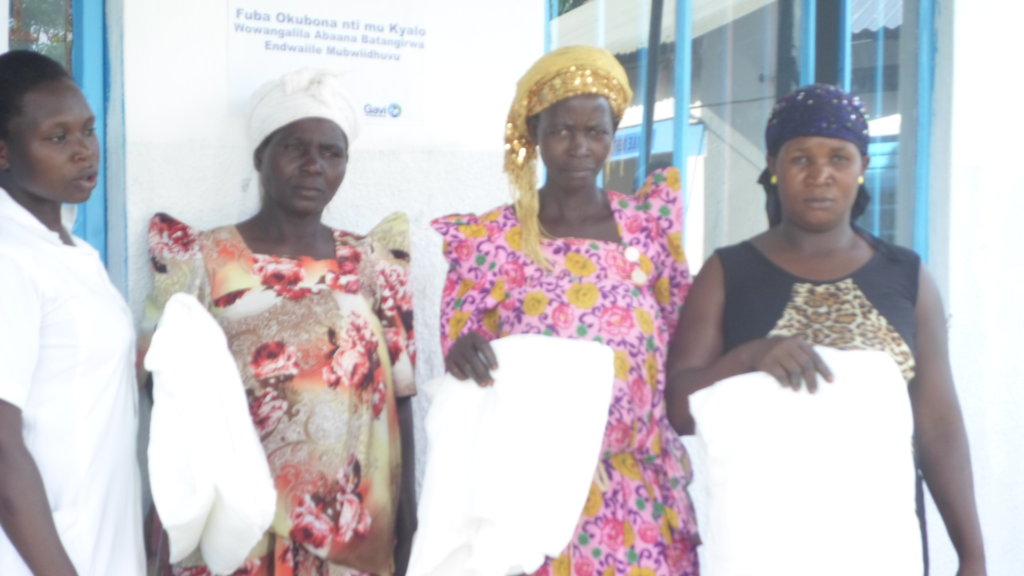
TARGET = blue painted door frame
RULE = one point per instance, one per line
(89, 65)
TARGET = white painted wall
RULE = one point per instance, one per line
(182, 150)
(5, 33)
(982, 256)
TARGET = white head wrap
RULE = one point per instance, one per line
(305, 93)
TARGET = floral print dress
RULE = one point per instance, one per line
(323, 348)
(638, 519)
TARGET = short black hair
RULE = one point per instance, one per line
(22, 71)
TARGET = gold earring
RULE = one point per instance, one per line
(774, 180)
(860, 180)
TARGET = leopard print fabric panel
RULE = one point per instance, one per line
(840, 316)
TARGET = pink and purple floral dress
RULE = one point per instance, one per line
(324, 347)
(638, 519)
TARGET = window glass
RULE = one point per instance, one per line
(875, 30)
(744, 55)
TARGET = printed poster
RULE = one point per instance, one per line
(380, 46)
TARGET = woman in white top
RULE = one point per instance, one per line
(69, 483)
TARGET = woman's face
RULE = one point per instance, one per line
(818, 180)
(575, 136)
(302, 164)
(51, 154)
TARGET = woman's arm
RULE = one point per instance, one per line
(24, 509)
(696, 345)
(696, 361)
(465, 341)
(474, 288)
(407, 521)
(941, 439)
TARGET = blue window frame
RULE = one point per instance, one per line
(925, 90)
(88, 65)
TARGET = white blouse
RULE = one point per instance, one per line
(67, 348)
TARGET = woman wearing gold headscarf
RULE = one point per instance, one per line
(573, 260)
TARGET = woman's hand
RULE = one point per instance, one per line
(790, 360)
(471, 356)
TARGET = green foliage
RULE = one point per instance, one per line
(43, 26)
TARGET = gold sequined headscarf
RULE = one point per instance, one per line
(561, 74)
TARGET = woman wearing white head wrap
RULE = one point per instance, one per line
(305, 93)
(319, 321)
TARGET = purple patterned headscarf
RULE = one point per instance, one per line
(817, 110)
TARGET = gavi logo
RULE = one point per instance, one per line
(393, 110)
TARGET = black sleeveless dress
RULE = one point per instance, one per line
(874, 308)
